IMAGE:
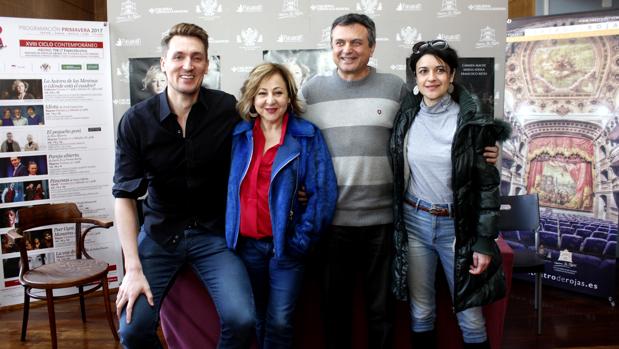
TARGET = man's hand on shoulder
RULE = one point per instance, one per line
(491, 154)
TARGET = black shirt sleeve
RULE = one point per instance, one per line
(129, 179)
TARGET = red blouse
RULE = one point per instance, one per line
(255, 213)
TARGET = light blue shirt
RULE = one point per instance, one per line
(429, 151)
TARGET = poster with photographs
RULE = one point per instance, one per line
(303, 64)
(146, 78)
(476, 74)
(56, 138)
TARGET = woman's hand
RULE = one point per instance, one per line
(480, 263)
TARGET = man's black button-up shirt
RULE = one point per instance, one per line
(186, 177)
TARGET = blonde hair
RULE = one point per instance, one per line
(151, 75)
(250, 88)
(184, 29)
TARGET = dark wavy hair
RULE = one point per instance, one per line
(447, 55)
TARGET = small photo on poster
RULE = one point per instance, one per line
(39, 239)
(476, 75)
(10, 267)
(20, 89)
(22, 115)
(146, 78)
(8, 217)
(36, 190)
(19, 166)
(8, 246)
(12, 192)
(14, 140)
(303, 64)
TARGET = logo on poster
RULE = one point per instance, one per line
(243, 69)
(487, 38)
(123, 72)
(328, 7)
(408, 7)
(400, 67)
(121, 101)
(122, 42)
(448, 9)
(208, 8)
(128, 12)
(290, 9)
(325, 38)
(45, 67)
(213, 40)
(485, 7)
(249, 38)
(165, 11)
(369, 7)
(449, 37)
(1, 43)
(408, 36)
(249, 8)
(285, 38)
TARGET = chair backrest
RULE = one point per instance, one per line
(549, 239)
(594, 245)
(599, 234)
(611, 249)
(584, 233)
(519, 212)
(51, 214)
(43, 215)
(571, 242)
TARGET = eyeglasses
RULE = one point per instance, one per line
(424, 45)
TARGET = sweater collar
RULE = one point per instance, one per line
(437, 108)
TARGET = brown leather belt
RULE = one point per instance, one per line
(435, 211)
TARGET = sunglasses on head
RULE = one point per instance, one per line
(424, 45)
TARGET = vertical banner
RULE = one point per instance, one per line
(56, 137)
(561, 96)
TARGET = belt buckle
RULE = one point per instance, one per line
(434, 210)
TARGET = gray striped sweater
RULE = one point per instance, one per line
(356, 118)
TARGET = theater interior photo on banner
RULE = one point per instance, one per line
(309, 174)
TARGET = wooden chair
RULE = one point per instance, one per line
(521, 212)
(81, 272)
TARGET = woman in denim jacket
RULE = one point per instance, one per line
(274, 155)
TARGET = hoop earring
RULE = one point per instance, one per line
(450, 89)
(416, 90)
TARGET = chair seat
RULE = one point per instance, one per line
(528, 261)
(65, 273)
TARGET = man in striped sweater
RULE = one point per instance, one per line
(355, 109)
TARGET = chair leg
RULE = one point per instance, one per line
(52, 317)
(82, 304)
(108, 308)
(24, 324)
(538, 300)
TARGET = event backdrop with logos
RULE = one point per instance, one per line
(61, 131)
(562, 99)
(242, 30)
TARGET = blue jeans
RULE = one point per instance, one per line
(276, 283)
(431, 238)
(222, 273)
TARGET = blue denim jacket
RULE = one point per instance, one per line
(303, 160)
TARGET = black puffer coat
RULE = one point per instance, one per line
(475, 185)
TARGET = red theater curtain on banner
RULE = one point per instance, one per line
(560, 172)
